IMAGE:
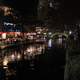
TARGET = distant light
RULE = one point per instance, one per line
(70, 32)
(6, 23)
(49, 33)
(18, 56)
(45, 33)
(39, 32)
(4, 36)
(12, 56)
(50, 4)
(29, 50)
(24, 52)
(5, 62)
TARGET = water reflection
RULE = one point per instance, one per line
(50, 43)
(28, 52)
(32, 51)
(13, 55)
(5, 62)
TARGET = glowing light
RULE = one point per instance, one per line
(5, 62)
(4, 36)
(24, 52)
(49, 33)
(18, 56)
(13, 57)
(70, 32)
(5, 23)
(39, 32)
(51, 5)
(30, 50)
(50, 43)
(45, 33)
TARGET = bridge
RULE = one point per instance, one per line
(59, 33)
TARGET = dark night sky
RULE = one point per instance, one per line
(71, 8)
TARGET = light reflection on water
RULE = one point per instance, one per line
(17, 54)
(9, 55)
(21, 55)
(32, 51)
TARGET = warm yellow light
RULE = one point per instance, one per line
(4, 36)
(18, 56)
(5, 62)
(13, 57)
